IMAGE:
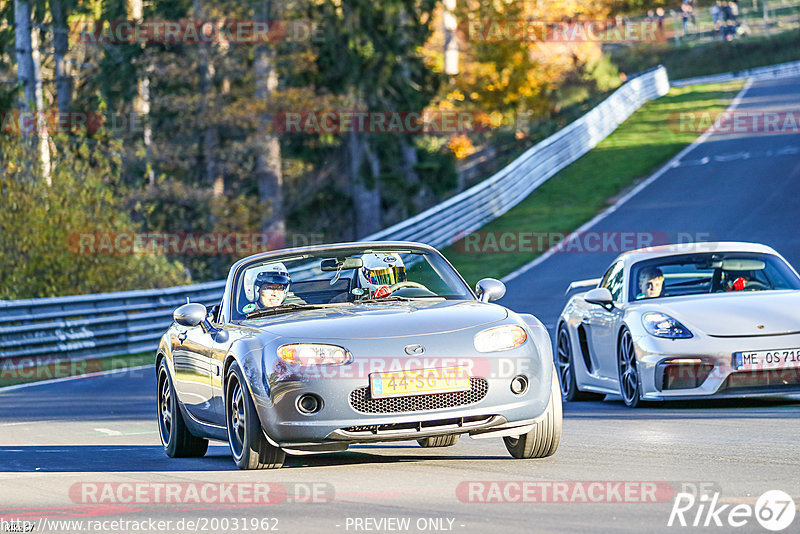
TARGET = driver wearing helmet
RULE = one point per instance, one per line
(272, 287)
(380, 271)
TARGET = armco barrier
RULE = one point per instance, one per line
(444, 223)
(95, 326)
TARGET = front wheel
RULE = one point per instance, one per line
(177, 440)
(565, 364)
(542, 441)
(249, 445)
(629, 383)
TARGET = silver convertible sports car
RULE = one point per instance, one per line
(313, 349)
(683, 321)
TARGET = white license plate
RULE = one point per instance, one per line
(766, 359)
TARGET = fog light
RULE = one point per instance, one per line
(519, 385)
(309, 404)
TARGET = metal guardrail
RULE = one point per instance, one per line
(94, 326)
(781, 70)
(445, 223)
(107, 324)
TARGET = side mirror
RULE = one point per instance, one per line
(600, 296)
(490, 289)
(191, 314)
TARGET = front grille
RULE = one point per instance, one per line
(361, 401)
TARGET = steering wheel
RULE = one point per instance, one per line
(401, 285)
(754, 284)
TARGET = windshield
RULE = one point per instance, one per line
(695, 274)
(339, 277)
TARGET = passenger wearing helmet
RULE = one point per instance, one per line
(381, 270)
(272, 286)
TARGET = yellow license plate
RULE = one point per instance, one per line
(419, 382)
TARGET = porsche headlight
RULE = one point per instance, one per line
(504, 337)
(314, 354)
(662, 325)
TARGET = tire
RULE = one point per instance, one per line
(565, 365)
(249, 445)
(438, 441)
(628, 371)
(542, 441)
(177, 440)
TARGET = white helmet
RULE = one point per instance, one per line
(381, 269)
(274, 274)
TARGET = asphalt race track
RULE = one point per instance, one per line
(60, 442)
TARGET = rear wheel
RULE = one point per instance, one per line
(177, 440)
(565, 365)
(629, 383)
(249, 445)
(543, 439)
(438, 441)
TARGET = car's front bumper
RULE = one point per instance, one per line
(714, 355)
(339, 423)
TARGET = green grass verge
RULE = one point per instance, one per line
(690, 60)
(572, 197)
(21, 372)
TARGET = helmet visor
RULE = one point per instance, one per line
(385, 276)
(272, 280)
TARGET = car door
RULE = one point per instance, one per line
(601, 323)
(193, 371)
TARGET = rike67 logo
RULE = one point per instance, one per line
(774, 510)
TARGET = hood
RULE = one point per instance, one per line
(737, 314)
(382, 321)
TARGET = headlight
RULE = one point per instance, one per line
(662, 325)
(313, 354)
(500, 338)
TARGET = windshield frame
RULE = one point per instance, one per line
(339, 249)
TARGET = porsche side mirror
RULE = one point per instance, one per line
(190, 314)
(600, 296)
(490, 289)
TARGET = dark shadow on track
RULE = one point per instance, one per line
(114, 459)
(765, 408)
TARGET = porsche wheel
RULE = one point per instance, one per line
(629, 383)
(177, 440)
(565, 365)
(438, 441)
(249, 446)
(542, 441)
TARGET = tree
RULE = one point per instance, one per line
(268, 171)
(58, 11)
(29, 76)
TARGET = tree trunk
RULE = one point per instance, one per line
(209, 138)
(450, 24)
(366, 200)
(41, 126)
(29, 76)
(60, 49)
(25, 75)
(141, 105)
(268, 172)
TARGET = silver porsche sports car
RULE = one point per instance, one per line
(313, 349)
(683, 321)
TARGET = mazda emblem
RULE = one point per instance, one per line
(414, 350)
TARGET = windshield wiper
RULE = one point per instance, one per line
(281, 309)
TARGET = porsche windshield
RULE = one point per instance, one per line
(341, 276)
(694, 274)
